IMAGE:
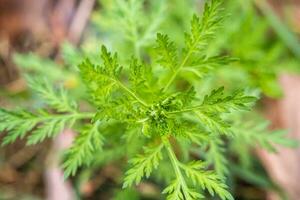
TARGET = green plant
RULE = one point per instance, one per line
(149, 102)
(128, 24)
(251, 37)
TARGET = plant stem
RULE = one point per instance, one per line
(126, 89)
(176, 164)
(132, 94)
(84, 115)
(187, 56)
(191, 109)
(75, 115)
(177, 71)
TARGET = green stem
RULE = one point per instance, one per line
(187, 56)
(177, 71)
(73, 115)
(132, 94)
(176, 166)
(122, 86)
(191, 109)
(194, 71)
(84, 115)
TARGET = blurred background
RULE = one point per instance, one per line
(50, 37)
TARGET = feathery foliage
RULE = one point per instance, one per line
(206, 179)
(43, 124)
(260, 136)
(56, 99)
(88, 142)
(143, 165)
(166, 51)
(216, 156)
(147, 97)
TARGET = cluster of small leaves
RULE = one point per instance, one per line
(162, 114)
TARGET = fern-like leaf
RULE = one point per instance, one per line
(56, 99)
(203, 29)
(166, 52)
(88, 142)
(258, 135)
(16, 123)
(101, 79)
(175, 192)
(206, 179)
(49, 128)
(213, 122)
(215, 156)
(218, 102)
(137, 74)
(143, 165)
(43, 124)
